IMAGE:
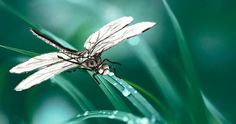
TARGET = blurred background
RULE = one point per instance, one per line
(209, 28)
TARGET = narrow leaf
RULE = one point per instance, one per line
(109, 114)
(21, 51)
(134, 97)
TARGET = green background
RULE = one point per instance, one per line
(209, 28)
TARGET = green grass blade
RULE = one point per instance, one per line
(197, 109)
(148, 94)
(79, 98)
(144, 53)
(115, 98)
(112, 95)
(165, 112)
(109, 114)
(217, 117)
(134, 97)
(21, 51)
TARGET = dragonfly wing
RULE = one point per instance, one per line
(106, 31)
(125, 33)
(44, 74)
(38, 62)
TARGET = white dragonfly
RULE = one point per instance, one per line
(54, 63)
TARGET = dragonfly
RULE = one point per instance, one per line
(53, 63)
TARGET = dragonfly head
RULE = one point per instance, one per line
(92, 62)
(95, 63)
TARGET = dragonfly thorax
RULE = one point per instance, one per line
(103, 69)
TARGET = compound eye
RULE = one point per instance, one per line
(92, 63)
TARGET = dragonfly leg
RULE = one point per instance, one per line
(111, 61)
(113, 68)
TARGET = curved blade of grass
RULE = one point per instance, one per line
(79, 98)
(148, 94)
(195, 101)
(24, 52)
(218, 118)
(115, 115)
(112, 95)
(166, 113)
(134, 97)
(144, 53)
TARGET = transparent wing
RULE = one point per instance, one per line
(44, 74)
(51, 42)
(38, 62)
(106, 31)
(125, 33)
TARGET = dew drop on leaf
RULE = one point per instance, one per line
(144, 121)
(85, 113)
(125, 92)
(125, 118)
(111, 74)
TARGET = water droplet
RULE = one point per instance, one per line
(112, 116)
(125, 118)
(135, 91)
(135, 41)
(144, 121)
(99, 111)
(153, 119)
(115, 112)
(111, 74)
(115, 84)
(130, 122)
(125, 92)
(53, 80)
(85, 113)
